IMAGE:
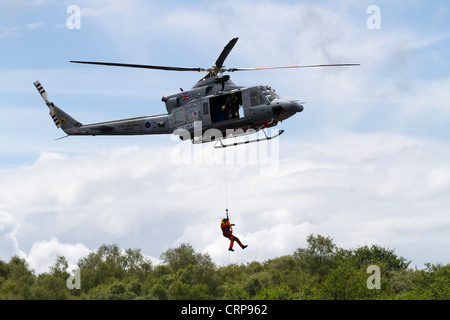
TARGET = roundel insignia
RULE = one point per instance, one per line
(148, 125)
(62, 120)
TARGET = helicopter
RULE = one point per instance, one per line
(197, 114)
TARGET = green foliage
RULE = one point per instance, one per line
(49, 287)
(344, 282)
(281, 292)
(109, 264)
(59, 269)
(320, 271)
(433, 283)
(379, 256)
(16, 279)
(319, 257)
(235, 292)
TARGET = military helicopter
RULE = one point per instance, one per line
(197, 114)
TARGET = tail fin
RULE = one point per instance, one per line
(62, 120)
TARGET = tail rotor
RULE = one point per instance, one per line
(60, 118)
(49, 104)
(41, 90)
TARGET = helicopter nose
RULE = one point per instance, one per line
(296, 106)
(286, 107)
(293, 106)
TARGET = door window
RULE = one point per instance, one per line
(191, 113)
(179, 116)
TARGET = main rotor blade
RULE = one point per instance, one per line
(225, 52)
(290, 67)
(144, 66)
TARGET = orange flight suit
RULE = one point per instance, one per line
(228, 233)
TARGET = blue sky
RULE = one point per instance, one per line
(365, 163)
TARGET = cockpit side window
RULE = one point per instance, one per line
(256, 98)
(269, 93)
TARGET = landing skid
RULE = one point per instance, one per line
(220, 144)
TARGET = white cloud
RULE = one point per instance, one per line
(34, 25)
(9, 226)
(8, 32)
(43, 254)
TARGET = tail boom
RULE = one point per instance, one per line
(155, 124)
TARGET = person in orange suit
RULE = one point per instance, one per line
(227, 231)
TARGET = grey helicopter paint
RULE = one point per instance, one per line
(196, 114)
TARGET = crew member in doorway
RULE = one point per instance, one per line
(231, 107)
(227, 231)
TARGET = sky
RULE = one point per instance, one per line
(366, 162)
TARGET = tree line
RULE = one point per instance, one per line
(320, 271)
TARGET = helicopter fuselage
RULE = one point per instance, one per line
(192, 112)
